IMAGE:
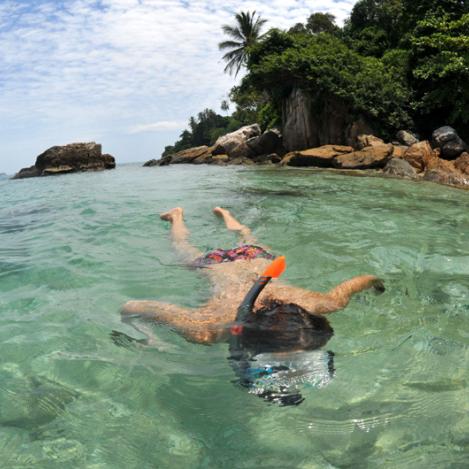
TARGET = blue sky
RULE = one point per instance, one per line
(124, 73)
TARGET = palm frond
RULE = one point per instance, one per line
(234, 54)
(246, 32)
(232, 31)
(229, 44)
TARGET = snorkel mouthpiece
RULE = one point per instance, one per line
(274, 270)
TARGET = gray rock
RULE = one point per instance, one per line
(165, 161)
(266, 159)
(68, 159)
(309, 122)
(449, 142)
(442, 177)
(407, 138)
(401, 168)
(151, 162)
(269, 142)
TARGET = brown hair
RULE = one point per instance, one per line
(284, 327)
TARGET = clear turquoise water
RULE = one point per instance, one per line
(74, 248)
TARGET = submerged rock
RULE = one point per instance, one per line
(70, 158)
(447, 178)
(31, 401)
(449, 142)
(400, 168)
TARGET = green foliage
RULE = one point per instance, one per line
(244, 34)
(253, 105)
(321, 23)
(325, 66)
(440, 69)
(400, 62)
(375, 26)
(204, 130)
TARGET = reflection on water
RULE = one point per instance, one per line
(73, 249)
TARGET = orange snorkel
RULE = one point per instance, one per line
(274, 270)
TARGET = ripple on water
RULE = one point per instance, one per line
(73, 249)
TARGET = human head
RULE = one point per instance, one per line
(284, 327)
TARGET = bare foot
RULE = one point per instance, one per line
(172, 214)
(230, 222)
(220, 211)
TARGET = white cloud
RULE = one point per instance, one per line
(161, 126)
(95, 67)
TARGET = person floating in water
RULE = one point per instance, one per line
(266, 323)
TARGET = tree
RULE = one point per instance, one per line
(323, 65)
(440, 70)
(375, 26)
(321, 23)
(244, 34)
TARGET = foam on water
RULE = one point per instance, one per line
(73, 249)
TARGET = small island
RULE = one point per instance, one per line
(385, 92)
(72, 158)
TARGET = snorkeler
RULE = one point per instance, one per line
(266, 323)
(232, 273)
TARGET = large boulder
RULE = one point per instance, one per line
(370, 157)
(234, 144)
(449, 142)
(407, 138)
(322, 157)
(419, 155)
(448, 178)
(267, 143)
(314, 119)
(399, 151)
(399, 168)
(189, 155)
(69, 159)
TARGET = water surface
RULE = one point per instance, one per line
(74, 248)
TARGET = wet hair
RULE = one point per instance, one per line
(284, 327)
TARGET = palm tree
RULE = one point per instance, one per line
(244, 34)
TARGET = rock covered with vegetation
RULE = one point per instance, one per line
(394, 65)
(71, 158)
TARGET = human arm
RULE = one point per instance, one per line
(194, 324)
(324, 303)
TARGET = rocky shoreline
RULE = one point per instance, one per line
(444, 160)
(72, 158)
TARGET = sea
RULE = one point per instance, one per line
(75, 248)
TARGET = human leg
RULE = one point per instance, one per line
(180, 234)
(234, 225)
